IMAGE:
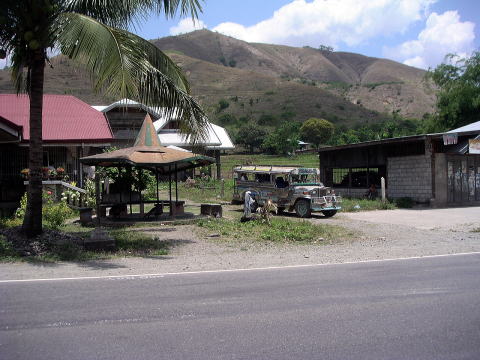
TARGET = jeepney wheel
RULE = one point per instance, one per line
(302, 208)
(329, 213)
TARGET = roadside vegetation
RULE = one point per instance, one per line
(280, 230)
(66, 243)
(356, 205)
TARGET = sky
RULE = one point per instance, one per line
(414, 32)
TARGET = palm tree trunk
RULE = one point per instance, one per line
(32, 222)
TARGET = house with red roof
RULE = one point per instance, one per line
(71, 129)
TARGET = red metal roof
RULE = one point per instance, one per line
(65, 118)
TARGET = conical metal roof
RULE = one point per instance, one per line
(147, 135)
(148, 153)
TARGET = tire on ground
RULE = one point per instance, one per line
(329, 213)
(302, 208)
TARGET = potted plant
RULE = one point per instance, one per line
(60, 173)
(52, 174)
(45, 172)
(25, 173)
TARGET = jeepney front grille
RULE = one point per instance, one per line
(328, 199)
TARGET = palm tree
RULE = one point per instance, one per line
(94, 34)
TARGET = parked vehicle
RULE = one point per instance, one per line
(290, 188)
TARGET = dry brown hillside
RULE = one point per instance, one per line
(271, 82)
(378, 84)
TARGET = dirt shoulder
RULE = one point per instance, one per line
(380, 235)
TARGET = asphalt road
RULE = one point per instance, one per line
(402, 309)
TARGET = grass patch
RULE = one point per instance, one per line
(355, 205)
(476, 230)
(130, 241)
(280, 230)
(229, 161)
(136, 243)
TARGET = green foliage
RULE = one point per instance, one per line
(355, 205)
(287, 115)
(55, 214)
(6, 248)
(227, 119)
(20, 212)
(250, 136)
(70, 195)
(10, 222)
(232, 63)
(267, 120)
(404, 202)
(139, 243)
(325, 48)
(317, 131)
(284, 140)
(394, 127)
(91, 199)
(279, 230)
(458, 98)
(222, 105)
(129, 179)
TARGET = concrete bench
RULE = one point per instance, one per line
(214, 210)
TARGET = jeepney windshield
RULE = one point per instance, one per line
(305, 179)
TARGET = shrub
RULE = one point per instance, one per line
(20, 212)
(6, 248)
(55, 214)
(91, 199)
(404, 202)
(223, 104)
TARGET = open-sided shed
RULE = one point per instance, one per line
(439, 169)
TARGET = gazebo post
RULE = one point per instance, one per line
(140, 175)
(97, 194)
(156, 177)
(170, 187)
(130, 190)
(176, 184)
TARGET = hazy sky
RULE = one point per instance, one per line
(416, 32)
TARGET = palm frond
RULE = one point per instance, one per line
(122, 13)
(124, 65)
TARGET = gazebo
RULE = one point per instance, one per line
(148, 153)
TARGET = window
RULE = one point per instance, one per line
(341, 177)
(356, 177)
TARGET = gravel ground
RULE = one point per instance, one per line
(381, 235)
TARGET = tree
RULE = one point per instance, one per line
(222, 105)
(284, 140)
(458, 98)
(250, 136)
(93, 33)
(317, 131)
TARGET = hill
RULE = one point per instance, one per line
(237, 81)
(378, 84)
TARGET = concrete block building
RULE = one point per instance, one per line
(436, 169)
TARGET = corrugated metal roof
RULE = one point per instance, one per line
(217, 136)
(222, 135)
(470, 127)
(65, 118)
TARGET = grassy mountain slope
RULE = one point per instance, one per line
(250, 94)
(357, 78)
(236, 81)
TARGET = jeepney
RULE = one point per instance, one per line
(291, 188)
